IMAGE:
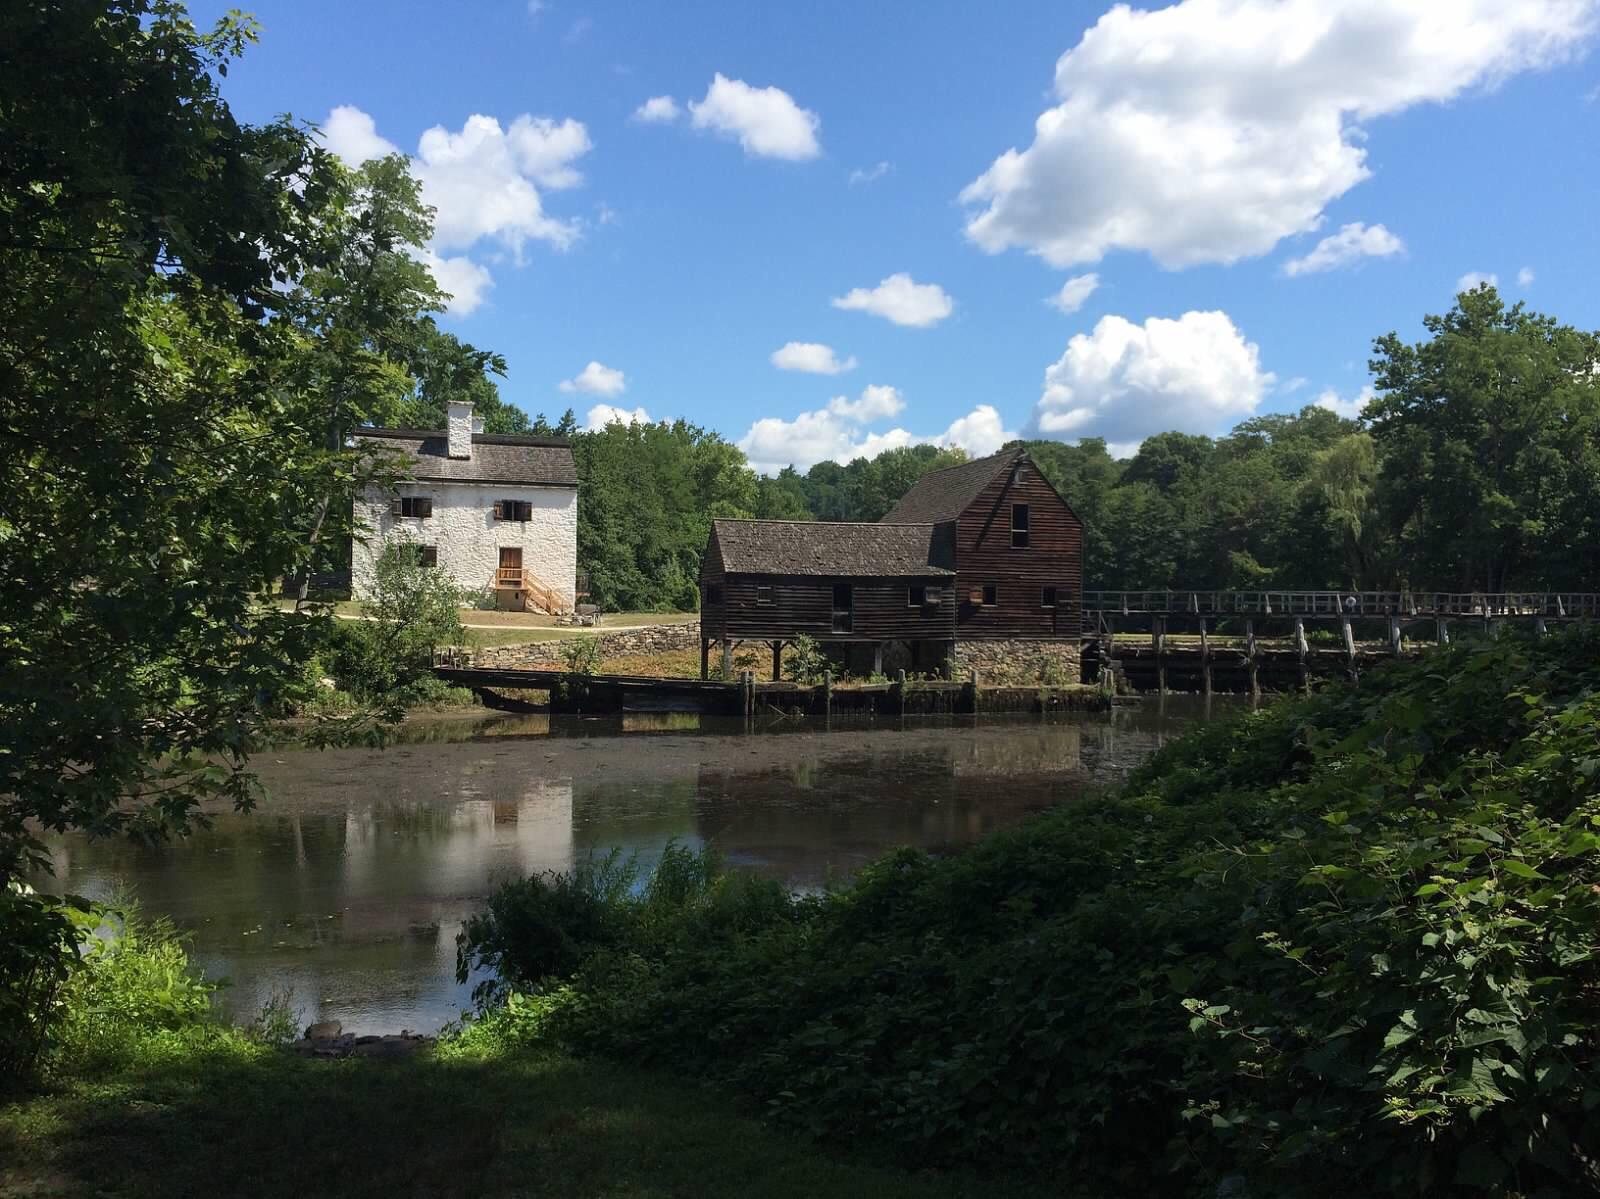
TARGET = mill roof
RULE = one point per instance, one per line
(845, 550)
(942, 495)
(496, 458)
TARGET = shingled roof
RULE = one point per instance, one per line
(942, 495)
(515, 461)
(804, 547)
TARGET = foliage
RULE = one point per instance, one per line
(136, 981)
(805, 662)
(581, 655)
(1345, 945)
(39, 941)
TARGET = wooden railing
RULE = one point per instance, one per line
(514, 578)
(1334, 604)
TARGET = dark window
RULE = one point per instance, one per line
(713, 593)
(1019, 526)
(513, 510)
(412, 505)
(429, 555)
(763, 595)
(991, 595)
(1047, 597)
(916, 596)
(843, 608)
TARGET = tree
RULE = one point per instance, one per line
(1487, 433)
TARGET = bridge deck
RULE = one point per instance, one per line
(1550, 605)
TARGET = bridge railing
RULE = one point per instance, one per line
(1551, 604)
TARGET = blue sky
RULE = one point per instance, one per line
(1258, 189)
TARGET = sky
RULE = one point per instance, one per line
(827, 229)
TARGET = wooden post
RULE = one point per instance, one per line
(727, 660)
(1251, 659)
(1158, 638)
(748, 680)
(877, 658)
(1349, 644)
(705, 658)
(1539, 626)
(1394, 635)
(827, 693)
(973, 677)
(1205, 658)
(900, 692)
(1442, 631)
(1300, 649)
(777, 659)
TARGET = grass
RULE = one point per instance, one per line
(215, 1115)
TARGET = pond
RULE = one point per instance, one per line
(348, 885)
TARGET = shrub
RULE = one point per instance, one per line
(581, 655)
(39, 939)
(806, 663)
(1345, 945)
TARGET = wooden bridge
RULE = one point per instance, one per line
(1206, 619)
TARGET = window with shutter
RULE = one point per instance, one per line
(429, 555)
(500, 509)
(397, 508)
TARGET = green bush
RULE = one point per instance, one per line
(806, 662)
(39, 939)
(581, 655)
(1342, 946)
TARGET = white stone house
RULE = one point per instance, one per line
(493, 512)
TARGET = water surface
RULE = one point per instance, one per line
(349, 884)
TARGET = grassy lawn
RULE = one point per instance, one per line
(243, 1121)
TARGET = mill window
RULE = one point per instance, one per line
(1019, 526)
(764, 595)
(1047, 597)
(916, 596)
(412, 505)
(513, 510)
(991, 595)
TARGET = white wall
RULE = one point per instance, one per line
(468, 536)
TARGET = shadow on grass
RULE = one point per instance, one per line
(261, 1123)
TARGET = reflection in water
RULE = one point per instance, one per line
(350, 883)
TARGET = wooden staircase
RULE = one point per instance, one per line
(535, 594)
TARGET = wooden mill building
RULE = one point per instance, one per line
(978, 566)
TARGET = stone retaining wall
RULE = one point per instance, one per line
(656, 639)
(1019, 662)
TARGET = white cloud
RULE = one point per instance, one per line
(1295, 384)
(598, 380)
(877, 402)
(765, 120)
(1525, 277)
(1209, 130)
(657, 110)
(870, 174)
(1349, 409)
(901, 299)
(1124, 382)
(1351, 244)
(1473, 280)
(465, 280)
(836, 433)
(1074, 292)
(602, 415)
(481, 180)
(811, 357)
(353, 136)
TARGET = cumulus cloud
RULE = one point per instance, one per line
(876, 402)
(1350, 245)
(1525, 277)
(483, 184)
(901, 299)
(870, 174)
(1074, 292)
(353, 136)
(657, 110)
(1473, 280)
(837, 432)
(1124, 381)
(1349, 409)
(811, 357)
(1209, 130)
(602, 415)
(765, 120)
(598, 380)
(466, 281)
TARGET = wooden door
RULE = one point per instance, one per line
(510, 573)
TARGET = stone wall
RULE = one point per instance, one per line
(1017, 663)
(657, 639)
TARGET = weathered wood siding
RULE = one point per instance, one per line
(1053, 558)
(713, 616)
(804, 604)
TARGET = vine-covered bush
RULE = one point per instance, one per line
(1343, 946)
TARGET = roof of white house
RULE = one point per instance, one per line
(518, 461)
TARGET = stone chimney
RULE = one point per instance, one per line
(460, 429)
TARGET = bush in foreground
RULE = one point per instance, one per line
(1343, 945)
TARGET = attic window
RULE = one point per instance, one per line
(764, 595)
(1019, 526)
(991, 595)
(916, 596)
(1047, 597)
(513, 510)
(412, 505)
